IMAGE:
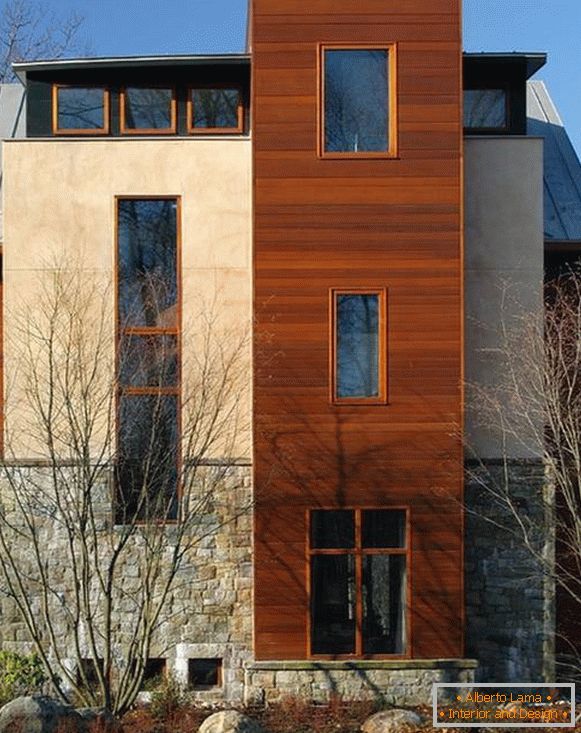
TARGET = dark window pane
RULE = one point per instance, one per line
(485, 108)
(80, 108)
(147, 457)
(356, 101)
(148, 361)
(357, 346)
(147, 281)
(148, 109)
(332, 529)
(383, 528)
(215, 108)
(384, 598)
(333, 604)
(204, 673)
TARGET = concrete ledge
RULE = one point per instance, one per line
(362, 664)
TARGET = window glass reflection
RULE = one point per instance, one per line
(356, 100)
(148, 108)
(215, 108)
(485, 108)
(357, 367)
(147, 457)
(80, 108)
(147, 283)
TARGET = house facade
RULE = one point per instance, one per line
(323, 195)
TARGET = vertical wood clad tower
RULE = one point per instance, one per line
(372, 221)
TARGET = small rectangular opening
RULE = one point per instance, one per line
(88, 669)
(204, 674)
(155, 671)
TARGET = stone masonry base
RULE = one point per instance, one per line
(402, 682)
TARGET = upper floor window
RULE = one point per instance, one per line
(358, 110)
(485, 109)
(358, 346)
(79, 110)
(148, 110)
(358, 572)
(215, 109)
(148, 359)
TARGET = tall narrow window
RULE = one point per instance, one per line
(358, 346)
(80, 110)
(148, 359)
(358, 571)
(148, 110)
(358, 102)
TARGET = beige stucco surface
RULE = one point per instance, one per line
(503, 279)
(59, 204)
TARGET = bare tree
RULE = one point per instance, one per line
(96, 530)
(28, 31)
(535, 410)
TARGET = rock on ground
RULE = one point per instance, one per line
(39, 714)
(389, 721)
(229, 721)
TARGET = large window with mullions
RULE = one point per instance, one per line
(358, 110)
(358, 582)
(148, 359)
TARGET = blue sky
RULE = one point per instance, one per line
(126, 27)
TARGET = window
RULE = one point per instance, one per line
(204, 674)
(358, 582)
(216, 109)
(485, 109)
(154, 673)
(148, 110)
(148, 356)
(358, 110)
(80, 110)
(358, 319)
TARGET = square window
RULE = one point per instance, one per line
(80, 110)
(485, 109)
(204, 673)
(383, 528)
(358, 108)
(148, 110)
(215, 110)
(332, 529)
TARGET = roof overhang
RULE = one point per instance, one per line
(22, 68)
(532, 61)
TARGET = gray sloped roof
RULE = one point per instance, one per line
(562, 170)
(12, 121)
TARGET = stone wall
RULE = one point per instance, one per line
(208, 614)
(391, 682)
(509, 600)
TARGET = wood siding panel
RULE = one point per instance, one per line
(321, 224)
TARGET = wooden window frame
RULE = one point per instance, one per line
(56, 130)
(238, 130)
(171, 130)
(382, 366)
(507, 110)
(392, 122)
(176, 331)
(358, 552)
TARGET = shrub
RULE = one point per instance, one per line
(20, 674)
(168, 698)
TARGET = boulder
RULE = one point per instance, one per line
(229, 721)
(39, 714)
(389, 721)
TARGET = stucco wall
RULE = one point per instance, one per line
(503, 273)
(59, 203)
